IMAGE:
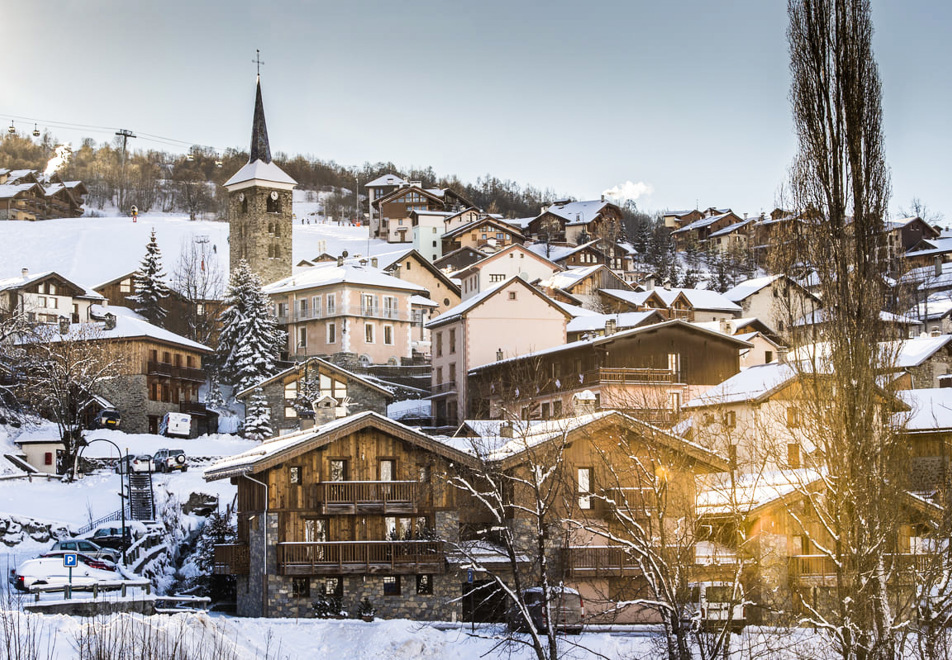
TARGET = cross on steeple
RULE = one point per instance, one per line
(257, 60)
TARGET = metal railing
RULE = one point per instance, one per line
(825, 566)
(443, 388)
(360, 557)
(231, 559)
(385, 313)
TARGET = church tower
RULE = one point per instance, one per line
(259, 208)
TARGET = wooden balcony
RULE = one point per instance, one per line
(173, 371)
(600, 561)
(819, 567)
(231, 559)
(343, 497)
(342, 557)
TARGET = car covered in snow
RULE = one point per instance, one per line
(167, 460)
(86, 547)
(51, 571)
(86, 560)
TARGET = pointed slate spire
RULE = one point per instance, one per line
(260, 149)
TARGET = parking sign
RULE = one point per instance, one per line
(69, 559)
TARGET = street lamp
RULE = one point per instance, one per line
(83, 443)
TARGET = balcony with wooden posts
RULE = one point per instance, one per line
(822, 568)
(231, 559)
(175, 371)
(600, 561)
(352, 497)
(350, 557)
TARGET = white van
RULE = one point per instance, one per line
(713, 604)
(179, 424)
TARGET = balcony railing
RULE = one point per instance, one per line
(443, 388)
(600, 560)
(342, 497)
(299, 315)
(823, 566)
(231, 559)
(173, 371)
(335, 558)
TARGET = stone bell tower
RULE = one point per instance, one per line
(259, 208)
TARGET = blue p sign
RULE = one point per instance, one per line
(469, 576)
(69, 559)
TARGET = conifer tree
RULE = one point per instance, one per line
(250, 341)
(150, 289)
(214, 398)
(258, 417)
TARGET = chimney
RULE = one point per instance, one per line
(505, 430)
(938, 267)
(603, 197)
(63, 325)
(726, 326)
(110, 323)
(325, 410)
(25, 272)
(373, 262)
(610, 326)
(782, 354)
(667, 285)
(499, 355)
(340, 261)
(584, 403)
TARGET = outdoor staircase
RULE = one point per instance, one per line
(141, 500)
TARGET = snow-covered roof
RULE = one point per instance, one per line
(351, 272)
(901, 353)
(750, 287)
(927, 279)
(20, 281)
(9, 190)
(568, 278)
(720, 494)
(751, 384)
(127, 327)
(559, 252)
(819, 316)
(730, 229)
(260, 171)
(423, 301)
(457, 312)
(700, 224)
(577, 213)
(939, 245)
(899, 224)
(698, 299)
(929, 410)
(385, 180)
(623, 320)
(286, 447)
(934, 307)
(322, 362)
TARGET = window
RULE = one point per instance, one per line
(294, 474)
(730, 419)
(452, 372)
(452, 340)
(332, 586)
(302, 337)
(368, 304)
(48, 458)
(315, 530)
(674, 362)
(316, 306)
(391, 585)
(369, 332)
(282, 309)
(732, 455)
(388, 469)
(768, 356)
(300, 587)
(388, 335)
(439, 375)
(41, 301)
(54, 303)
(331, 304)
(390, 307)
(424, 585)
(125, 286)
(302, 307)
(439, 344)
(585, 488)
(496, 277)
(512, 295)
(331, 333)
(545, 411)
(793, 417)
(557, 409)
(338, 469)
(675, 401)
(793, 455)
(274, 204)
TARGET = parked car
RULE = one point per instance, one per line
(714, 604)
(167, 460)
(50, 571)
(87, 547)
(130, 463)
(566, 608)
(107, 418)
(178, 424)
(86, 560)
(111, 537)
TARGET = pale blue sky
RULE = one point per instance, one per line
(690, 97)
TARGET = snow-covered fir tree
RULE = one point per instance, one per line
(250, 341)
(149, 285)
(258, 417)
(219, 528)
(214, 398)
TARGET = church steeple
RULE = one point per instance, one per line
(260, 148)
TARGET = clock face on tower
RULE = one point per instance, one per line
(274, 194)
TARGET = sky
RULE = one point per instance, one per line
(674, 104)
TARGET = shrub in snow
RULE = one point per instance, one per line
(327, 607)
(219, 528)
(258, 417)
(365, 608)
(149, 284)
(250, 341)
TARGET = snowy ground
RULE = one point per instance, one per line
(92, 251)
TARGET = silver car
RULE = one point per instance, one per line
(88, 548)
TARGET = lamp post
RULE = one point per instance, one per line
(83, 443)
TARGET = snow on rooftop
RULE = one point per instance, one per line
(578, 212)
(930, 410)
(260, 171)
(748, 385)
(725, 494)
(327, 273)
(594, 322)
(386, 180)
(934, 307)
(128, 326)
(750, 287)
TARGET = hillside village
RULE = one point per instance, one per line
(463, 405)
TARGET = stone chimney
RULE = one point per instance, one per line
(25, 272)
(505, 430)
(373, 262)
(726, 326)
(584, 403)
(325, 410)
(110, 323)
(610, 326)
(340, 261)
(63, 325)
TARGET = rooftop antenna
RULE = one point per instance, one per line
(257, 60)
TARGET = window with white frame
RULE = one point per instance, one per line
(316, 306)
(331, 304)
(369, 329)
(390, 307)
(331, 333)
(302, 307)
(388, 335)
(302, 337)
(368, 304)
(585, 488)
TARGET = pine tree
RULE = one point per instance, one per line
(258, 417)
(250, 341)
(214, 398)
(219, 528)
(150, 289)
